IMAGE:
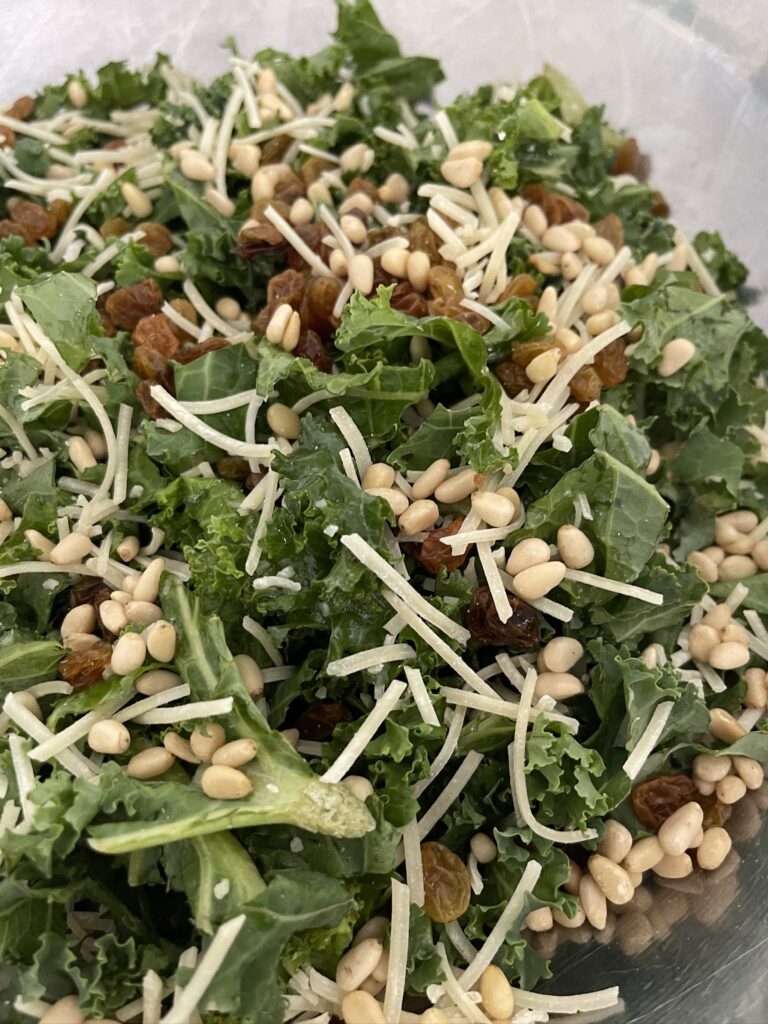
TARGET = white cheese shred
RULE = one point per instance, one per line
(450, 792)
(446, 752)
(71, 759)
(615, 586)
(205, 972)
(186, 712)
(231, 445)
(503, 708)
(209, 315)
(270, 497)
(151, 998)
(421, 696)
(156, 700)
(649, 739)
(351, 434)
(457, 992)
(414, 871)
(381, 710)
(517, 775)
(582, 1003)
(298, 243)
(25, 777)
(259, 632)
(493, 579)
(398, 952)
(370, 659)
(459, 941)
(79, 728)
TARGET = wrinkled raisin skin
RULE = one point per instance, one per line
(319, 721)
(84, 668)
(521, 631)
(156, 332)
(312, 348)
(126, 306)
(431, 554)
(157, 237)
(446, 883)
(512, 377)
(657, 799)
(586, 385)
(192, 352)
(39, 221)
(611, 364)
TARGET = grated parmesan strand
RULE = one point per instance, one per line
(450, 792)
(205, 972)
(494, 581)
(421, 696)
(25, 777)
(79, 728)
(351, 434)
(614, 586)
(270, 497)
(371, 658)
(365, 733)
(445, 753)
(71, 759)
(457, 992)
(259, 632)
(230, 445)
(651, 736)
(398, 952)
(156, 700)
(414, 871)
(186, 712)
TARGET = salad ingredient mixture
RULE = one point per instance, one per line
(383, 545)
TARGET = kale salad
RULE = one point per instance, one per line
(383, 543)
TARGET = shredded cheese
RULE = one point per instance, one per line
(351, 434)
(649, 739)
(421, 696)
(497, 706)
(398, 952)
(446, 752)
(450, 792)
(457, 992)
(25, 777)
(151, 998)
(205, 972)
(381, 710)
(79, 728)
(270, 497)
(459, 542)
(70, 758)
(459, 940)
(615, 586)
(372, 658)
(228, 444)
(517, 775)
(414, 871)
(583, 1003)
(259, 632)
(156, 700)
(495, 584)
(186, 712)
(298, 243)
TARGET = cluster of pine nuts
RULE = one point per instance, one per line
(740, 549)
(719, 641)
(532, 568)
(555, 661)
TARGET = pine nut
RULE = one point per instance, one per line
(635, 276)
(650, 265)
(421, 515)
(161, 641)
(535, 219)
(148, 584)
(196, 167)
(229, 308)
(361, 1008)
(180, 748)
(462, 172)
(714, 553)
(205, 744)
(571, 266)
(575, 547)
(536, 582)
(653, 463)
(138, 202)
(727, 656)
(112, 615)
(714, 848)
(760, 555)
(593, 901)
(354, 228)
(359, 201)
(560, 239)
(128, 653)
(95, 441)
(128, 548)
(73, 548)
(496, 994)
(278, 323)
(645, 854)
(616, 842)
(736, 634)
(301, 212)
(549, 265)
(718, 617)
(731, 789)
(292, 332)
(580, 228)
(221, 203)
(564, 921)
(236, 753)
(80, 454)
(561, 654)
(396, 500)
(711, 768)
(480, 149)
(417, 270)
(267, 82)
(337, 261)
(379, 474)
(750, 771)
(702, 640)
(30, 702)
(568, 340)
(283, 422)
(757, 692)
(357, 964)
(724, 726)
(726, 533)
(599, 250)
(361, 273)
(244, 157)
(571, 884)
(705, 788)
(558, 685)
(548, 303)
(599, 322)
(395, 189)
(741, 544)
(220, 782)
(742, 519)
(318, 192)
(679, 866)
(250, 673)
(736, 567)
(677, 832)
(40, 543)
(612, 880)
(80, 619)
(358, 787)
(431, 479)
(543, 367)
(150, 763)
(707, 568)
(109, 737)
(130, 581)
(527, 553)
(457, 487)
(157, 681)
(494, 509)
(540, 920)
(78, 97)
(142, 612)
(66, 1010)
(483, 848)
(675, 355)
(357, 158)
(395, 262)
(344, 97)
(81, 641)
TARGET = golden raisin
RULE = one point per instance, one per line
(657, 799)
(115, 227)
(156, 332)
(258, 208)
(521, 286)
(521, 631)
(148, 363)
(423, 239)
(233, 468)
(185, 308)
(316, 310)
(258, 240)
(611, 229)
(445, 284)
(629, 160)
(289, 187)
(512, 377)
(7, 136)
(611, 364)
(313, 167)
(82, 669)
(524, 352)
(586, 385)
(363, 185)
(23, 108)
(128, 305)
(446, 883)
(157, 237)
(431, 554)
(312, 235)
(9, 228)
(152, 408)
(272, 152)
(61, 210)
(39, 221)
(190, 353)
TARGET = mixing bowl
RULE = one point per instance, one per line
(690, 79)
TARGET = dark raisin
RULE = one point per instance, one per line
(289, 187)
(88, 590)
(185, 308)
(363, 185)
(157, 237)
(311, 347)
(9, 229)
(128, 305)
(405, 298)
(524, 352)
(319, 721)
(659, 205)
(521, 631)
(586, 385)
(611, 364)
(156, 332)
(512, 377)
(39, 221)
(84, 668)
(629, 160)
(316, 309)
(312, 235)
(233, 468)
(431, 554)
(656, 799)
(152, 408)
(274, 149)
(190, 353)
(257, 210)
(252, 480)
(259, 240)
